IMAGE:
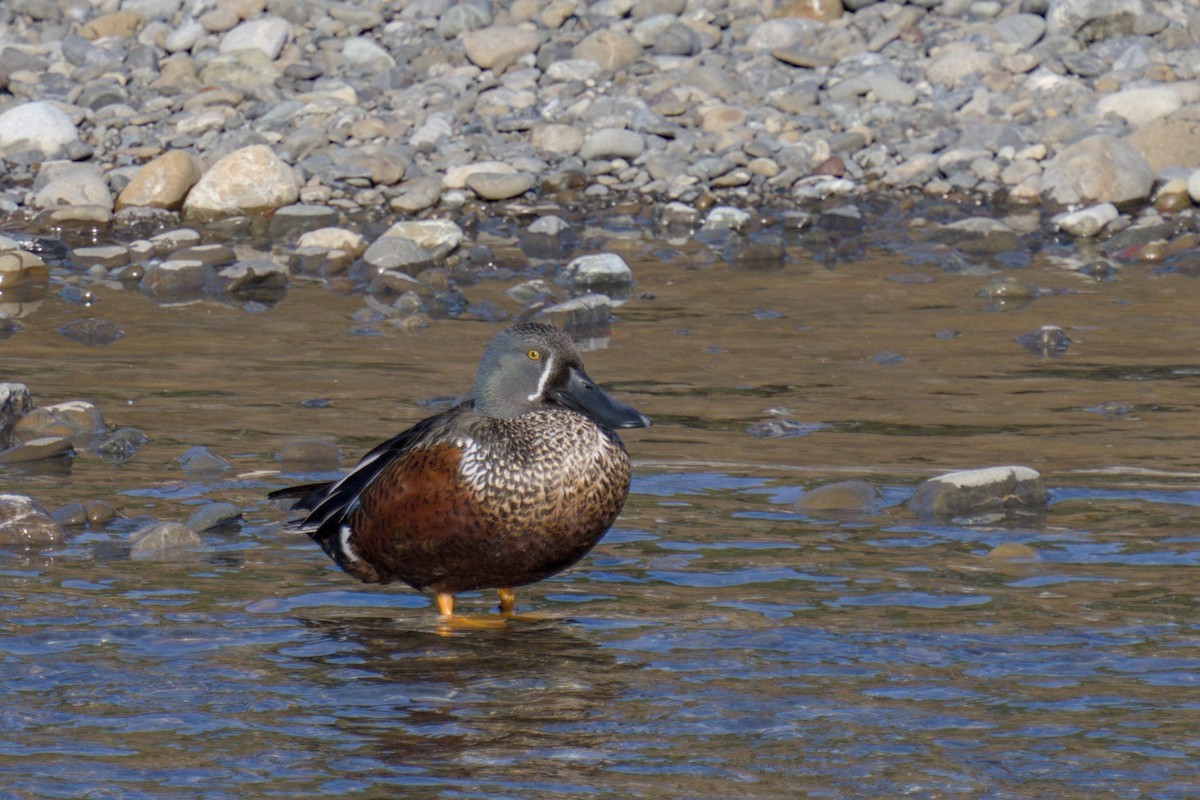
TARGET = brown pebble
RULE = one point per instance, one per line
(1152, 253)
(1013, 551)
(99, 512)
(834, 165)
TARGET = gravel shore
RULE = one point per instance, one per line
(220, 107)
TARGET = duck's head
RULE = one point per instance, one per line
(532, 366)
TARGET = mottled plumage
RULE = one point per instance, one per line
(512, 485)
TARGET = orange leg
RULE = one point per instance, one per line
(508, 601)
(445, 604)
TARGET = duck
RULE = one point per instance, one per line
(515, 483)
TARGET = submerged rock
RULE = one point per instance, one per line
(845, 497)
(24, 522)
(992, 489)
(163, 540)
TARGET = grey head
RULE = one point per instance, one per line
(531, 366)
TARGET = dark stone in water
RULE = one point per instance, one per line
(92, 331)
(783, 428)
(1047, 341)
(25, 522)
(199, 462)
(119, 445)
(446, 305)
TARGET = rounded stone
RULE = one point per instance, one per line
(500, 186)
(1098, 169)
(612, 143)
(162, 182)
(74, 185)
(498, 47)
(252, 179)
(990, 489)
(266, 34)
(25, 522)
(333, 239)
(557, 139)
(612, 49)
(36, 126)
(846, 497)
(163, 540)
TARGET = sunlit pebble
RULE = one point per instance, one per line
(1013, 551)
(1152, 253)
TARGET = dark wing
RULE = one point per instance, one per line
(330, 503)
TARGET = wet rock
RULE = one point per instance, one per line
(200, 462)
(119, 445)
(548, 237)
(162, 182)
(588, 318)
(24, 522)
(1098, 169)
(250, 180)
(1046, 341)
(1087, 222)
(19, 268)
(15, 402)
(606, 273)
(844, 497)
(106, 256)
(163, 540)
(778, 427)
(37, 450)
(213, 515)
(726, 218)
(1014, 551)
(99, 512)
(176, 280)
(342, 239)
(309, 454)
(1009, 489)
(406, 245)
(72, 514)
(91, 331)
(37, 126)
(77, 420)
(261, 278)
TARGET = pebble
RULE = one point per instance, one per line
(309, 455)
(1006, 489)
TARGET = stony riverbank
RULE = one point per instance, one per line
(165, 132)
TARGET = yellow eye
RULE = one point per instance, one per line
(534, 355)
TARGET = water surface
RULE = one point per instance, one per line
(717, 643)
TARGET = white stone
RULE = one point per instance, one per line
(1087, 221)
(268, 34)
(36, 126)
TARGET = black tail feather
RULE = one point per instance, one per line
(309, 494)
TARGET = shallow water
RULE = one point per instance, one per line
(716, 643)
